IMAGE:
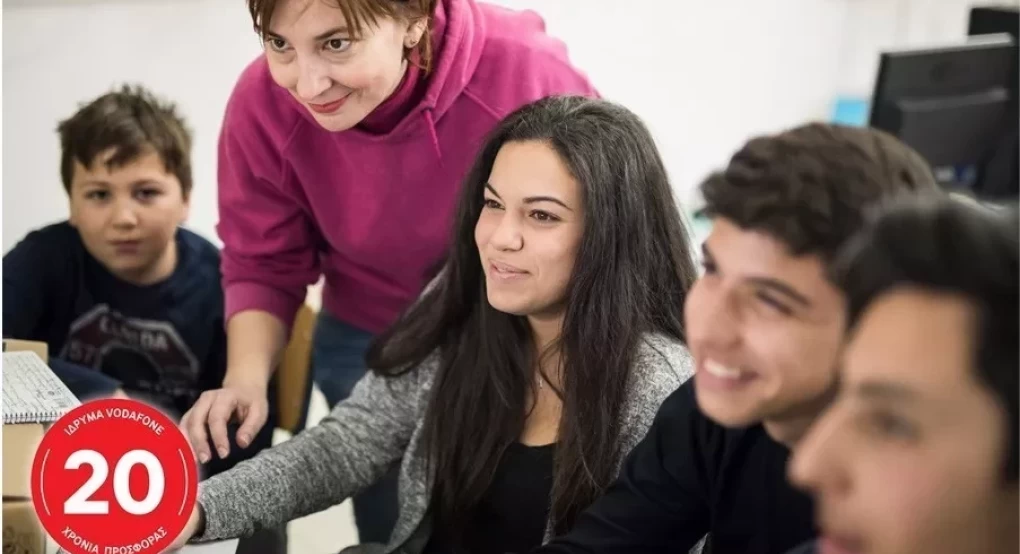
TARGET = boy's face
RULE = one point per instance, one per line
(765, 329)
(909, 457)
(128, 216)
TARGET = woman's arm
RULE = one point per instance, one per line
(270, 240)
(269, 258)
(349, 450)
(255, 340)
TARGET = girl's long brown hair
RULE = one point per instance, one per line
(631, 276)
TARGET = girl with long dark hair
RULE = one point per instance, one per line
(511, 390)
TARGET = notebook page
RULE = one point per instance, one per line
(31, 392)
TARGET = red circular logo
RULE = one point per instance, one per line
(114, 477)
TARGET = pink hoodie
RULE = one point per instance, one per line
(371, 208)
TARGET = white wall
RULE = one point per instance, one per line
(59, 54)
(705, 74)
(874, 25)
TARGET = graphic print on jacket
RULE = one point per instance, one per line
(147, 356)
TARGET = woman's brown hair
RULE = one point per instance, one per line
(358, 13)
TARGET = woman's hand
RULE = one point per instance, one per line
(255, 340)
(213, 411)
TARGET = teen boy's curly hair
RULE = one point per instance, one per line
(811, 187)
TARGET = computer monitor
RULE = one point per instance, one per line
(1002, 171)
(951, 104)
(988, 20)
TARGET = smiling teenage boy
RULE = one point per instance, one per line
(765, 327)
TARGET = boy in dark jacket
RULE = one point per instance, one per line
(127, 300)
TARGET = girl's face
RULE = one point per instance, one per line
(337, 78)
(530, 229)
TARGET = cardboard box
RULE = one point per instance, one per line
(40, 348)
(22, 533)
(19, 444)
(20, 440)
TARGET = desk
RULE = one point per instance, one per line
(221, 547)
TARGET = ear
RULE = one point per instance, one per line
(415, 32)
(185, 209)
(72, 216)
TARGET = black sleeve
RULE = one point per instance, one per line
(807, 548)
(660, 501)
(85, 383)
(28, 273)
(205, 284)
(215, 366)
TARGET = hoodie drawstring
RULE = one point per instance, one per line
(432, 133)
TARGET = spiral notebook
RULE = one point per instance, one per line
(31, 392)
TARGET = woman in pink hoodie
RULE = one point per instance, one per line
(341, 154)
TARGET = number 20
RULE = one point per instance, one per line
(79, 503)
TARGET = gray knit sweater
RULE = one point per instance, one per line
(380, 424)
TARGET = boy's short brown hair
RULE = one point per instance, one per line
(133, 122)
(811, 187)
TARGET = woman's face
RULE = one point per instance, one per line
(529, 230)
(337, 78)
